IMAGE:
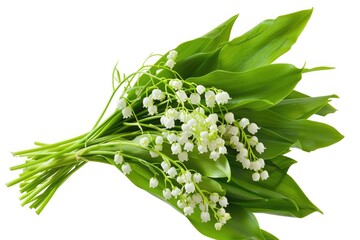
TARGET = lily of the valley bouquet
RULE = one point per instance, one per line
(206, 129)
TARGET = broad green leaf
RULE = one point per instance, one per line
(256, 89)
(198, 64)
(283, 196)
(282, 162)
(301, 108)
(327, 109)
(264, 43)
(305, 134)
(269, 236)
(207, 43)
(242, 225)
(275, 144)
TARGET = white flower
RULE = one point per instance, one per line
(175, 148)
(214, 155)
(121, 103)
(188, 210)
(213, 129)
(252, 128)
(205, 216)
(246, 163)
(204, 135)
(147, 102)
(260, 148)
(227, 216)
(188, 146)
(153, 154)
(222, 97)
(253, 141)
(262, 162)
(187, 176)
(159, 140)
(202, 148)
(197, 177)
(153, 182)
(214, 197)
(229, 117)
(234, 140)
(183, 156)
(221, 212)
(240, 157)
(127, 112)
(144, 142)
(172, 172)
(192, 122)
(264, 175)
(152, 110)
(181, 204)
(176, 192)
(212, 118)
(256, 176)
(223, 201)
(233, 130)
(180, 179)
(183, 138)
(158, 148)
(118, 159)
(165, 166)
(240, 146)
(181, 96)
(256, 165)
(197, 198)
(157, 94)
(244, 122)
(166, 193)
(176, 84)
(200, 89)
(221, 129)
(126, 168)
(195, 98)
(203, 207)
(172, 138)
(172, 113)
(218, 226)
(170, 63)
(210, 98)
(189, 187)
(167, 122)
(172, 54)
(222, 150)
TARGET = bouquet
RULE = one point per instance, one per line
(206, 129)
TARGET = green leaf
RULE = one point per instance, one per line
(327, 109)
(207, 43)
(275, 143)
(282, 162)
(264, 43)
(242, 225)
(256, 89)
(305, 134)
(301, 108)
(279, 193)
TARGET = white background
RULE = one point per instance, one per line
(56, 59)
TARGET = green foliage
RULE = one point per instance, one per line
(260, 91)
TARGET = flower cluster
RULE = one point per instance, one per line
(193, 118)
